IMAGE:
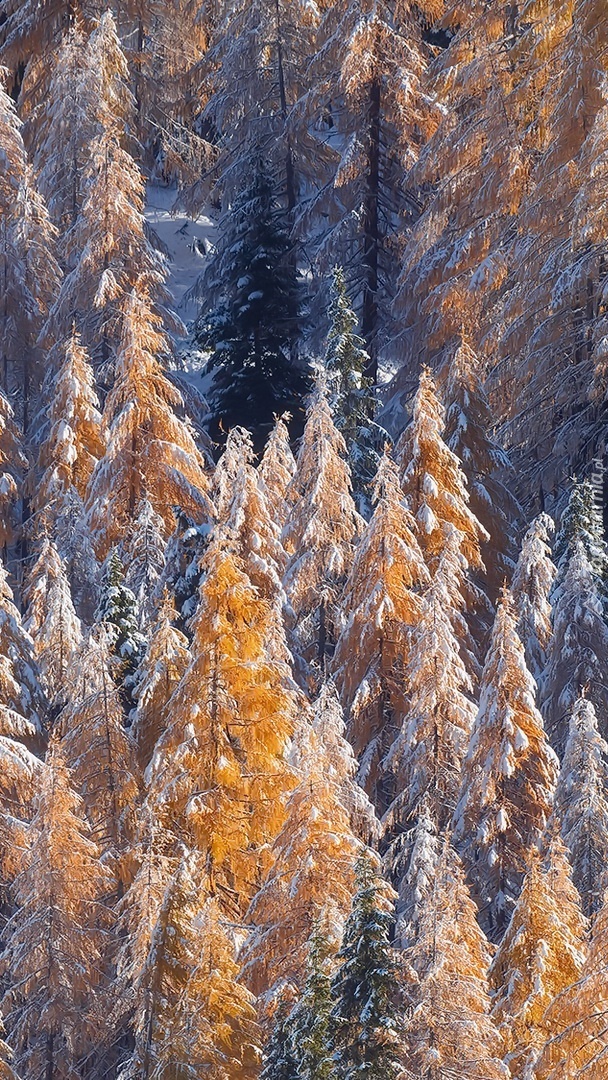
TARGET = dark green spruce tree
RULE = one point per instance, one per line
(310, 1020)
(351, 394)
(366, 1026)
(279, 1062)
(118, 612)
(582, 520)
(253, 331)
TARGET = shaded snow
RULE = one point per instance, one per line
(180, 236)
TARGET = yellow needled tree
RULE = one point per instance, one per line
(151, 451)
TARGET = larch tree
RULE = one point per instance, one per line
(100, 755)
(577, 1043)
(428, 751)
(508, 778)
(489, 472)
(540, 955)
(316, 843)
(276, 470)
(581, 804)
(252, 333)
(55, 940)
(72, 441)
(163, 664)
(531, 588)
(449, 1030)
(219, 776)
(366, 1027)
(579, 648)
(382, 604)
(190, 1010)
(320, 535)
(151, 451)
(52, 623)
(437, 494)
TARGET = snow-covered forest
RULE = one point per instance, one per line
(303, 576)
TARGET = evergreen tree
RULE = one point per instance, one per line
(311, 1018)
(276, 471)
(366, 1028)
(144, 556)
(118, 614)
(531, 587)
(279, 1060)
(581, 522)
(54, 942)
(581, 804)
(540, 955)
(320, 535)
(508, 778)
(411, 863)
(21, 697)
(448, 1030)
(183, 560)
(253, 332)
(351, 397)
(578, 656)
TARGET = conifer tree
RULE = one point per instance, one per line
(540, 955)
(279, 1059)
(352, 401)
(219, 775)
(72, 442)
(320, 534)
(13, 462)
(366, 1026)
(579, 648)
(117, 613)
(100, 754)
(411, 861)
(382, 602)
(276, 470)
(315, 843)
(311, 1018)
(468, 433)
(581, 521)
(183, 559)
(253, 331)
(449, 1031)
(427, 753)
(191, 1012)
(581, 804)
(531, 587)
(577, 1044)
(54, 941)
(508, 778)
(150, 451)
(52, 623)
(21, 699)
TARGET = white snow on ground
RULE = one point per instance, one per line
(180, 235)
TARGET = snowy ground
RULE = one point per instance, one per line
(185, 240)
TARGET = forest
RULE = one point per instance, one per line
(303, 555)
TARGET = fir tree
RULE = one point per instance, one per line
(54, 942)
(351, 397)
(21, 696)
(279, 1060)
(253, 332)
(581, 521)
(508, 778)
(411, 862)
(365, 1025)
(531, 587)
(183, 560)
(540, 955)
(578, 655)
(311, 1018)
(118, 614)
(144, 555)
(581, 804)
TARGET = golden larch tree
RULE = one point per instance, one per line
(52, 623)
(381, 604)
(540, 955)
(151, 451)
(508, 778)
